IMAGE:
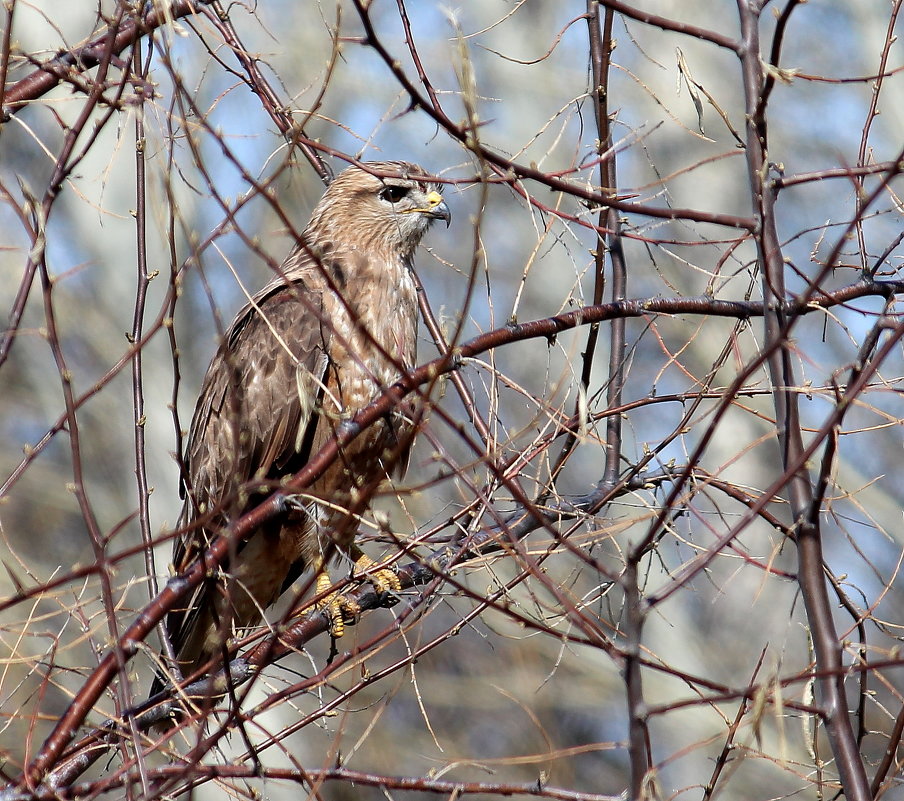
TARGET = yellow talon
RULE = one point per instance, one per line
(338, 608)
(342, 610)
(383, 580)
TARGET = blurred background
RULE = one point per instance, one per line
(518, 693)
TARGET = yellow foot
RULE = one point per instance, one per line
(383, 580)
(339, 608)
(342, 610)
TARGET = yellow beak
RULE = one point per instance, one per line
(437, 208)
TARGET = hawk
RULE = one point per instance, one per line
(312, 348)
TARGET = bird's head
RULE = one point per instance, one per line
(381, 204)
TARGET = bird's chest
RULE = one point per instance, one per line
(375, 337)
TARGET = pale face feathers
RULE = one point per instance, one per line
(386, 208)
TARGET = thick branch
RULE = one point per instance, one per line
(115, 40)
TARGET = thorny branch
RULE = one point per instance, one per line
(577, 521)
(805, 513)
(179, 586)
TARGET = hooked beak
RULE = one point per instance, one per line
(437, 208)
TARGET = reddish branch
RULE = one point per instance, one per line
(509, 169)
(547, 328)
(791, 469)
(799, 488)
(312, 778)
(862, 158)
(279, 112)
(779, 315)
(601, 45)
(74, 62)
(667, 24)
(296, 636)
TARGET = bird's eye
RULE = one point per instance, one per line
(393, 194)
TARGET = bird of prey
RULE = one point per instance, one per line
(315, 346)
